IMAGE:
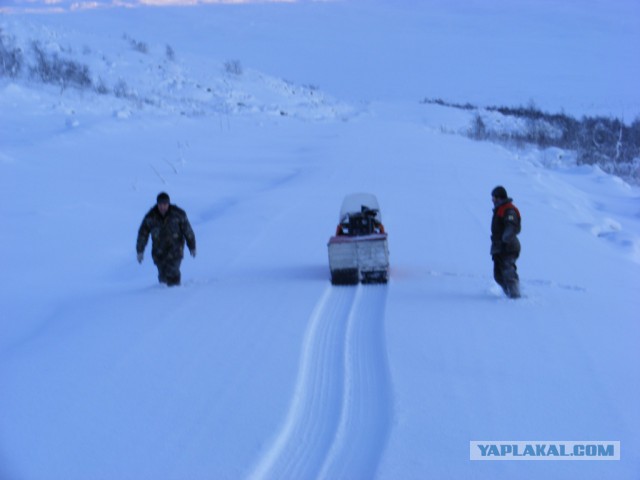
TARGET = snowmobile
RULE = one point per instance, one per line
(359, 252)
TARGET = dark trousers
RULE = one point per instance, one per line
(505, 274)
(168, 270)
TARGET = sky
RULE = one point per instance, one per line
(60, 6)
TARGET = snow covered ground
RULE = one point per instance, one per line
(256, 367)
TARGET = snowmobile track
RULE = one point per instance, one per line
(338, 422)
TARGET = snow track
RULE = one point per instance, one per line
(338, 422)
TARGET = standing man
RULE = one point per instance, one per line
(505, 246)
(169, 228)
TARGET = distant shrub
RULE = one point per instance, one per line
(439, 101)
(233, 67)
(50, 68)
(101, 88)
(170, 53)
(121, 89)
(478, 129)
(136, 45)
(11, 58)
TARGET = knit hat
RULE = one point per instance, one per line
(499, 192)
(163, 198)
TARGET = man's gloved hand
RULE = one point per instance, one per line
(140, 257)
(193, 253)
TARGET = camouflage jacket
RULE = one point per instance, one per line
(505, 226)
(168, 233)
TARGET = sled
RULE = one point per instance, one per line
(359, 251)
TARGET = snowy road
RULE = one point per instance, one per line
(339, 417)
(258, 368)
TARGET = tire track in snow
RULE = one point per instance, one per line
(367, 404)
(338, 422)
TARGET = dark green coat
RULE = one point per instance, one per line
(168, 234)
(505, 226)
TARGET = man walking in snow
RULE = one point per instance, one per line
(169, 228)
(505, 246)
